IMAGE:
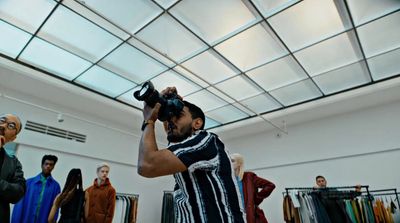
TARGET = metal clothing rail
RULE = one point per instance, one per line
(328, 188)
(125, 194)
(313, 188)
(385, 193)
(384, 190)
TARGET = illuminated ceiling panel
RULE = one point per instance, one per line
(233, 58)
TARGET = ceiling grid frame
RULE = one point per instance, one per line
(240, 74)
(211, 47)
(288, 49)
(357, 37)
(38, 29)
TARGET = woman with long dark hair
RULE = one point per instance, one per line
(70, 200)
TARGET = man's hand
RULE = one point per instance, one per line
(151, 113)
(2, 141)
(169, 91)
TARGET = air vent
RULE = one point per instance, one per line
(52, 131)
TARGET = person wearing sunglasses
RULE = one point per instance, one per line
(12, 181)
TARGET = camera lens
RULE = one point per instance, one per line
(171, 105)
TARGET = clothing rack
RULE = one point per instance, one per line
(129, 195)
(331, 193)
(378, 193)
(305, 189)
(326, 188)
(126, 207)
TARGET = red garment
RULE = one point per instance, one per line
(253, 197)
(101, 202)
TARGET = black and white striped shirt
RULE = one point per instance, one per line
(208, 190)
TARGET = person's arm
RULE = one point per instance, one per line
(54, 210)
(266, 189)
(57, 191)
(111, 206)
(2, 141)
(86, 207)
(13, 190)
(151, 161)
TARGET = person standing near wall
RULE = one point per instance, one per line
(12, 181)
(71, 200)
(249, 185)
(41, 191)
(100, 202)
(321, 183)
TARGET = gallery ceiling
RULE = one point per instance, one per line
(236, 59)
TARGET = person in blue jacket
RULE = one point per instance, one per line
(41, 191)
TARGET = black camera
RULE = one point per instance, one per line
(171, 105)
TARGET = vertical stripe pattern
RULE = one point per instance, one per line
(207, 191)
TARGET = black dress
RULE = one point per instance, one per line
(72, 211)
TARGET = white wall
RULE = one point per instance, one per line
(104, 143)
(358, 147)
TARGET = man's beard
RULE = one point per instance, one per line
(185, 133)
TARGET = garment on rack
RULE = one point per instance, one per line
(329, 206)
(132, 217)
(306, 214)
(334, 208)
(290, 213)
(168, 208)
(322, 215)
(386, 211)
(125, 208)
(369, 209)
(350, 212)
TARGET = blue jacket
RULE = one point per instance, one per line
(24, 210)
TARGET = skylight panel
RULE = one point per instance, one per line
(12, 39)
(171, 39)
(214, 20)
(132, 64)
(309, 22)
(296, 93)
(278, 73)
(210, 67)
(105, 82)
(226, 114)
(78, 35)
(54, 59)
(252, 47)
(343, 78)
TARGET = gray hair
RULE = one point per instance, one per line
(20, 122)
(101, 165)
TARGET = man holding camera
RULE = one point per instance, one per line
(206, 189)
(12, 181)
